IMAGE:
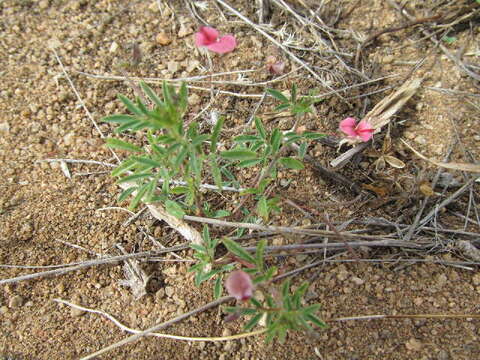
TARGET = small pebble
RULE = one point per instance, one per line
(76, 312)
(113, 47)
(15, 301)
(43, 4)
(163, 39)
(184, 31)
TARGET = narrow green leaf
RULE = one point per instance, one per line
(262, 208)
(138, 197)
(151, 94)
(282, 107)
(260, 128)
(221, 213)
(255, 302)
(130, 105)
(249, 163)
(134, 177)
(180, 190)
(239, 154)
(122, 145)
(230, 309)
(180, 157)
(293, 92)
(199, 139)
(126, 126)
(183, 97)
(304, 323)
(217, 292)
(311, 309)
(291, 163)
(199, 248)
(237, 250)
(312, 135)
(216, 134)
(297, 296)
(216, 172)
(302, 150)
(196, 267)
(123, 167)
(167, 93)
(259, 254)
(173, 208)
(119, 119)
(126, 193)
(147, 161)
(316, 321)
(142, 107)
(206, 235)
(253, 321)
(276, 140)
(277, 95)
(247, 138)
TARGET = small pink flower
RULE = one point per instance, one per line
(274, 66)
(363, 130)
(208, 37)
(239, 285)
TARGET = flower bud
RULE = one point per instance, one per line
(239, 285)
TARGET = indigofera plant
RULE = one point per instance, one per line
(173, 165)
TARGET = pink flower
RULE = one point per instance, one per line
(239, 285)
(208, 37)
(363, 130)
(274, 66)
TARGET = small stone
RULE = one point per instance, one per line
(68, 139)
(172, 66)
(185, 29)
(163, 39)
(76, 312)
(413, 345)
(15, 301)
(388, 59)
(4, 127)
(43, 4)
(169, 290)
(3, 310)
(443, 355)
(420, 140)
(441, 280)
(357, 281)
(192, 65)
(476, 279)
(160, 294)
(194, 99)
(113, 47)
(342, 276)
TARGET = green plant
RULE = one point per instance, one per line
(175, 160)
(172, 164)
(173, 157)
(282, 308)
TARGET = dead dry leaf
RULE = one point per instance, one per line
(394, 162)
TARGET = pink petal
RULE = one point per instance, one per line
(224, 45)
(347, 126)
(206, 36)
(239, 285)
(364, 130)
